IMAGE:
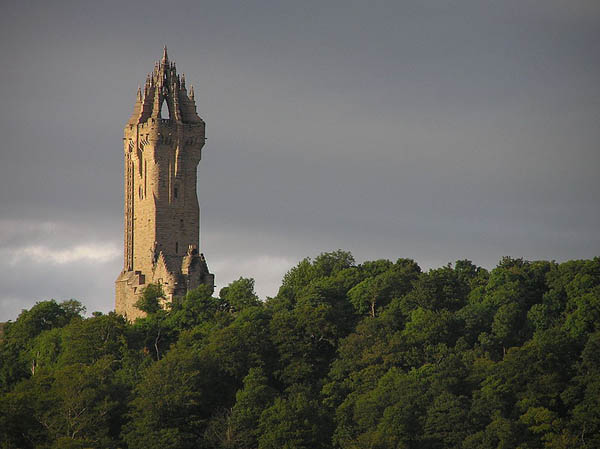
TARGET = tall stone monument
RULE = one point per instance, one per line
(163, 145)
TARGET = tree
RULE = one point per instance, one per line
(80, 405)
(239, 429)
(375, 355)
(391, 414)
(306, 272)
(295, 422)
(17, 361)
(195, 308)
(166, 412)
(238, 295)
(376, 291)
(446, 424)
(154, 327)
(86, 341)
(442, 288)
(150, 300)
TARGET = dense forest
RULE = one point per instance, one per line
(373, 355)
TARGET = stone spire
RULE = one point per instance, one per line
(163, 85)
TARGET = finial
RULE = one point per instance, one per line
(139, 93)
(192, 93)
(183, 80)
(165, 56)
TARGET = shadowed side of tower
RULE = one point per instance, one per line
(163, 143)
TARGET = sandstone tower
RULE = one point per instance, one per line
(163, 145)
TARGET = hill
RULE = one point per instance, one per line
(371, 355)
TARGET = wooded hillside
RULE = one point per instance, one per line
(371, 355)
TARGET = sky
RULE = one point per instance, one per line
(436, 130)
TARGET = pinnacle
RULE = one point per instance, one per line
(165, 57)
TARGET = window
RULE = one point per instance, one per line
(175, 192)
(176, 247)
(164, 111)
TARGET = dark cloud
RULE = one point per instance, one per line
(436, 130)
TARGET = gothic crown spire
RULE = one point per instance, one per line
(165, 87)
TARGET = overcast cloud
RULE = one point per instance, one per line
(436, 130)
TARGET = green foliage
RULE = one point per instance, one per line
(149, 302)
(306, 272)
(292, 422)
(250, 402)
(377, 290)
(195, 308)
(166, 411)
(346, 356)
(239, 295)
(18, 358)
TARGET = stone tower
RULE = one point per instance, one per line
(163, 145)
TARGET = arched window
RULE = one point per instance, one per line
(164, 110)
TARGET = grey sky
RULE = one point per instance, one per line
(436, 130)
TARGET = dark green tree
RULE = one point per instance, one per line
(294, 422)
(239, 295)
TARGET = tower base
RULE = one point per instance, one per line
(175, 282)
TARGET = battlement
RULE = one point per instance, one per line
(155, 123)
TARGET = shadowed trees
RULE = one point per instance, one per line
(348, 355)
